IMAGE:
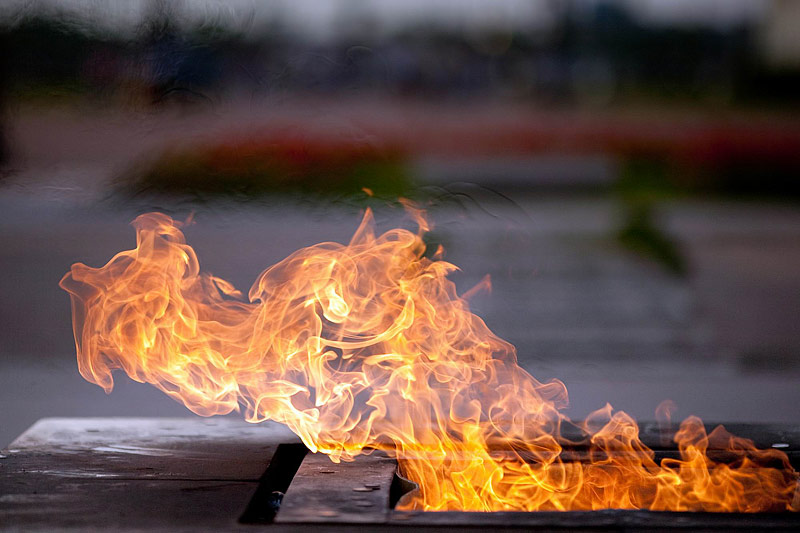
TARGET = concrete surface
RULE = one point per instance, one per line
(722, 344)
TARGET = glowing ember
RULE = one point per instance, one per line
(367, 345)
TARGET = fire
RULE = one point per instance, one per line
(367, 345)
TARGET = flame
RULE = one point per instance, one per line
(367, 345)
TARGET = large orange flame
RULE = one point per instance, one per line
(367, 345)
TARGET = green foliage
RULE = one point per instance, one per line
(641, 235)
(643, 183)
(645, 180)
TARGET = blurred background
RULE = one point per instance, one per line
(627, 172)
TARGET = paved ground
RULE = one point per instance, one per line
(612, 326)
(723, 342)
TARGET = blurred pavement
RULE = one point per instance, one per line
(722, 342)
(612, 326)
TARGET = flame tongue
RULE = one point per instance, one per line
(368, 345)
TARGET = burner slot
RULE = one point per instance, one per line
(274, 483)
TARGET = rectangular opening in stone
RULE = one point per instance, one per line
(604, 519)
(274, 483)
(368, 490)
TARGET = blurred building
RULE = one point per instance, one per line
(570, 52)
(780, 34)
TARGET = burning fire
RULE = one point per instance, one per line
(367, 345)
